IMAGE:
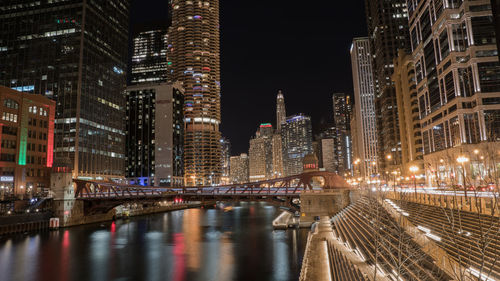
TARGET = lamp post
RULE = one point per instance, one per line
(462, 160)
(2, 196)
(395, 174)
(414, 169)
(22, 192)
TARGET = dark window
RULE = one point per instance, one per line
(492, 122)
(439, 139)
(450, 86)
(483, 30)
(455, 138)
(487, 101)
(489, 76)
(443, 44)
(465, 82)
(471, 125)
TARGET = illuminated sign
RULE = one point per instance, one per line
(7, 179)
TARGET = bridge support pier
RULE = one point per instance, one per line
(325, 203)
(65, 207)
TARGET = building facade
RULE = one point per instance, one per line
(388, 30)
(356, 156)
(149, 57)
(328, 160)
(74, 52)
(364, 96)
(27, 142)
(239, 168)
(193, 58)
(226, 163)
(342, 108)
(280, 111)
(277, 151)
(261, 154)
(296, 136)
(458, 89)
(154, 134)
(495, 6)
(409, 120)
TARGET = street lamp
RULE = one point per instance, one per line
(414, 169)
(462, 160)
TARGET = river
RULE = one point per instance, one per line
(194, 244)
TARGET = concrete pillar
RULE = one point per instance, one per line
(326, 203)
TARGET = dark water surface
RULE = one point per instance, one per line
(195, 244)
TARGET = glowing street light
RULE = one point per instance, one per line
(462, 160)
(414, 169)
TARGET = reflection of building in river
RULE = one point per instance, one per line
(192, 237)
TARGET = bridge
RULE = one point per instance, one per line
(102, 196)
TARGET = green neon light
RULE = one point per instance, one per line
(22, 146)
(24, 133)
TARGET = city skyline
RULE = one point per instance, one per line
(281, 71)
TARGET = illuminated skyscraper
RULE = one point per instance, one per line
(457, 81)
(149, 60)
(154, 135)
(296, 137)
(342, 108)
(280, 111)
(260, 154)
(226, 155)
(239, 168)
(388, 28)
(364, 96)
(193, 59)
(74, 52)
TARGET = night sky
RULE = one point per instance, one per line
(271, 45)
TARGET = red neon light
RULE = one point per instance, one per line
(50, 137)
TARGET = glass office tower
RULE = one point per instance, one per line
(74, 52)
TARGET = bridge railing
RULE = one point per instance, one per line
(90, 190)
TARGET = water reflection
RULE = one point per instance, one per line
(197, 244)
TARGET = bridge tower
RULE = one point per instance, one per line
(65, 207)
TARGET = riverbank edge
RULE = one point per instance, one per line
(43, 225)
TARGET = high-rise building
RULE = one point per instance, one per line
(226, 155)
(364, 96)
(328, 155)
(149, 59)
(277, 148)
(193, 58)
(74, 52)
(154, 134)
(27, 138)
(388, 30)
(261, 154)
(280, 111)
(326, 145)
(239, 168)
(356, 149)
(458, 89)
(296, 135)
(342, 108)
(495, 7)
(265, 130)
(409, 121)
